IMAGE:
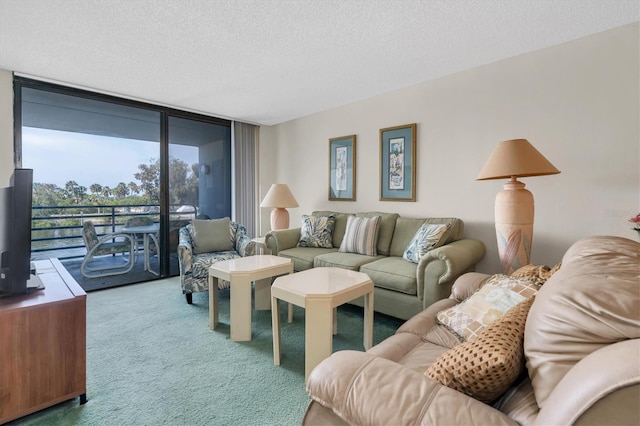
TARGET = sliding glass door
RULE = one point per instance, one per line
(199, 173)
(114, 162)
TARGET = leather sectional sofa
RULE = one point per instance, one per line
(579, 344)
(402, 288)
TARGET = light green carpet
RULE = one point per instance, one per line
(152, 360)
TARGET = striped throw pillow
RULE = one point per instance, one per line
(361, 235)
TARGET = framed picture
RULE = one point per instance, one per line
(342, 168)
(398, 163)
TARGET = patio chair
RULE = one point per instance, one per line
(195, 263)
(109, 244)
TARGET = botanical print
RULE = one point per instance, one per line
(341, 168)
(396, 163)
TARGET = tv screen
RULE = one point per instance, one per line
(15, 233)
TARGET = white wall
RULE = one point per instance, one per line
(577, 103)
(6, 127)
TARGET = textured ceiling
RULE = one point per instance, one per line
(271, 61)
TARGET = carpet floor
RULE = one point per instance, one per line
(152, 360)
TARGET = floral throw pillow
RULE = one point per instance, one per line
(317, 231)
(499, 294)
(428, 236)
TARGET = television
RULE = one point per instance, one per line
(15, 235)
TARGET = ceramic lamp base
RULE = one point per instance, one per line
(514, 211)
(279, 219)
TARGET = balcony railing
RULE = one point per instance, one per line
(57, 230)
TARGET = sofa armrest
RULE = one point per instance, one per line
(364, 389)
(603, 388)
(440, 267)
(245, 246)
(185, 251)
(282, 239)
(467, 284)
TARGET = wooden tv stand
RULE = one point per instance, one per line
(43, 344)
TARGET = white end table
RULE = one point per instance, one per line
(320, 291)
(240, 273)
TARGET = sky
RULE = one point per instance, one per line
(58, 157)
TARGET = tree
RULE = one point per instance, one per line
(121, 190)
(149, 177)
(133, 188)
(95, 188)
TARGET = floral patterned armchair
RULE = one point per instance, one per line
(194, 268)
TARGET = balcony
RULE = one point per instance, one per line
(57, 232)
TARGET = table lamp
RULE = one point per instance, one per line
(279, 197)
(514, 209)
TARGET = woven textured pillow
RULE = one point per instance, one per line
(538, 273)
(486, 367)
(427, 237)
(499, 294)
(317, 231)
(361, 235)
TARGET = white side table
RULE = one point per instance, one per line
(320, 291)
(261, 245)
(240, 273)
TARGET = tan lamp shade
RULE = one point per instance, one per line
(280, 197)
(516, 157)
(514, 206)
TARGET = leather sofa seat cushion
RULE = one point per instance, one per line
(393, 273)
(582, 308)
(302, 257)
(352, 261)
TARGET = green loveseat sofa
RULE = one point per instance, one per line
(402, 288)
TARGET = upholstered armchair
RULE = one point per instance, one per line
(204, 242)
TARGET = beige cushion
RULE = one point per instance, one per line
(210, 236)
(591, 302)
(361, 235)
(487, 366)
(499, 294)
(537, 273)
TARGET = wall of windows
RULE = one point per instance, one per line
(106, 159)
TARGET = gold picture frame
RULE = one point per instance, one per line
(342, 168)
(398, 163)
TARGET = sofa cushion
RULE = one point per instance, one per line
(537, 273)
(201, 262)
(426, 238)
(486, 367)
(340, 226)
(211, 235)
(406, 228)
(590, 303)
(393, 273)
(351, 261)
(361, 236)
(302, 257)
(387, 227)
(499, 294)
(317, 231)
